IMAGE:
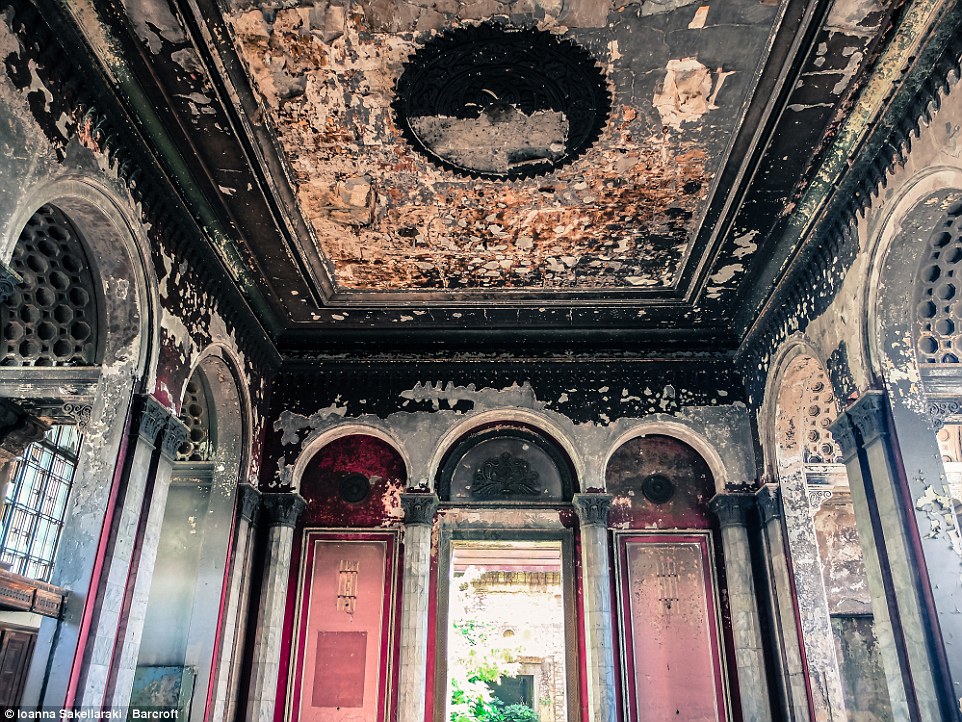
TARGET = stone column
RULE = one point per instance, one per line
(131, 630)
(592, 510)
(419, 512)
(151, 418)
(731, 510)
(792, 691)
(811, 601)
(238, 592)
(891, 648)
(921, 546)
(283, 511)
(18, 429)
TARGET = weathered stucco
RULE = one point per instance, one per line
(388, 219)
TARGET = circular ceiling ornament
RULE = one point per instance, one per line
(501, 102)
(658, 489)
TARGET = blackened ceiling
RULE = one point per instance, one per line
(343, 235)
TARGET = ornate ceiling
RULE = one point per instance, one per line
(600, 170)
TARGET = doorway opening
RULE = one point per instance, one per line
(507, 632)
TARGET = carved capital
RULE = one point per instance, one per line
(843, 430)
(769, 501)
(9, 280)
(817, 497)
(248, 502)
(868, 416)
(152, 419)
(592, 509)
(940, 409)
(419, 508)
(18, 429)
(175, 434)
(732, 509)
(283, 509)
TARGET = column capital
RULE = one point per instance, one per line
(868, 415)
(419, 507)
(731, 509)
(248, 501)
(175, 434)
(592, 509)
(283, 508)
(769, 501)
(18, 429)
(151, 418)
(843, 431)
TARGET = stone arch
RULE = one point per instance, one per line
(805, 460)
(901, 240)
(198, 526)
(539, 423)
(52, 316)
(659, 481)
(117, 249)
(683, 433)
(314, 444)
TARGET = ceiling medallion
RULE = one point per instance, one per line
(354, 488)
(501, 102)
(658, 489)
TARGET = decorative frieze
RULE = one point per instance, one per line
(592, 509)
(941, 409)
(419, 508)
(817, 497)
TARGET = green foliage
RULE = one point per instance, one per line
(518, 713)
(475, 662)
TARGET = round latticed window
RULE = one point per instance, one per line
(51, 317)
(939, 306)
(196, 414)
(494, 101)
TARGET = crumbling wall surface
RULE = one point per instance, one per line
(588, 408)
(863, 680)
(659, 456)
(843, 568)
(834, 303)
(388, 219)
(47, 140)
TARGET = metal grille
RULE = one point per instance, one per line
(37, 503)
(939, 306)
(50, 319)
(819, 444)
(195, 413)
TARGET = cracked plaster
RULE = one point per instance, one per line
(621, 217)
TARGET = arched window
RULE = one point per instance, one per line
(505, 464)
(51, 317)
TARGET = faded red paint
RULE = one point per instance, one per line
(667, 456)
(677, 668)
(366, 455)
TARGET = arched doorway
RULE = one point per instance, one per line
(506, 626)
(671, 613)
